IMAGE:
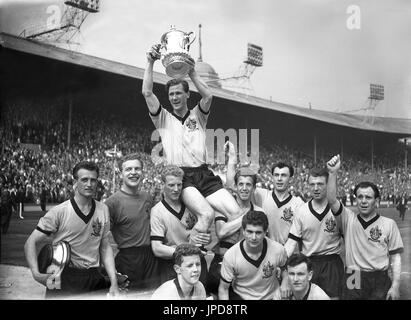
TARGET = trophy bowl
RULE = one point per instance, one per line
(175, 46)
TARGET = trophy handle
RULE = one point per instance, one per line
(188, 37)
(188, 40)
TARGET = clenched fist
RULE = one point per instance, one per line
(334, 164)
(153, 53)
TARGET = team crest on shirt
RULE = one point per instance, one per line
(330, 225)
(191, 124)
(268, 270)
(375, 234)
(287, 214)
(96, 228)
(190, 221)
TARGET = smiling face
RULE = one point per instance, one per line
(86, 183)
(318, 187)
(178, 97)
(131, 172)
(281, 178)
(366, 201)
(299, 277)
(190, 269)
(245, 187)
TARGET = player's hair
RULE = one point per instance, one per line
(255, 218)
(88, 165)
(281, 165)
(171, 170)
(128, 157)
(298, 258)
(176, 82)
(319, 172)
(366, 184)
(245, 172)
(184, 250)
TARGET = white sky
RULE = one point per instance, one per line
(310, 55)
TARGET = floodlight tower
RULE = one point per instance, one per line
(241, 79)
(63, 31)
(376, 95)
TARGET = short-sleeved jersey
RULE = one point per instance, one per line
(314, 293)
(130, 218)
(169, 226)
(223, 244)
(280, 214)
(368, 244)
(318, 232)
(183, 139)
(171, 290)
(253, 279)
(83, 232)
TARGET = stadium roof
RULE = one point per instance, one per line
(380, 124)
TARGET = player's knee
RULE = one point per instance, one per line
(209, 214)
(206, 215)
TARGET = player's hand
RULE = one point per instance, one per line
(393, 294)
(42, 277)
(153, 53)
(285, 289)
(230, 150)
(199, 238)
(122, 281)
(334, 164)
(114, 292)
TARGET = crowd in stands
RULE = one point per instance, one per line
(36, 154)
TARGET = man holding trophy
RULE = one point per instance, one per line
(183, 131)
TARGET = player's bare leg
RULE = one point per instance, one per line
(222, 201)
(197, 204)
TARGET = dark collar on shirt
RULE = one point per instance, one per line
(82, 216)
(178, 215)
(366, 224)
(251, 204)
(257, 262)
(319, 216)
(281, 203)
(308, 292)
(181, 293)
(181, 119)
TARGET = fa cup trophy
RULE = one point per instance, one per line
(175, 45)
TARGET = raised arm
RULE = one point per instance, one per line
(333, 165)
(232, 161)
(203, 89)
(153, 104)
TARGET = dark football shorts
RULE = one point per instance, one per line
(213, 279)
(203, 179)
(78, 281)
(374, 285)
(328, 274)
(140, 265)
